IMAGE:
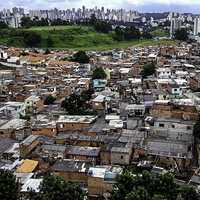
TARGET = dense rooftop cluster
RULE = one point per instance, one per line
(136, 108)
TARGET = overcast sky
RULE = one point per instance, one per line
(140, 5)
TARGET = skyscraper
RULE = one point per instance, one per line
(196, 26)
(175, 25)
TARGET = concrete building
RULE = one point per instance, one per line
(72, 170)
(175, 25)
(101, 180)
(196, 26)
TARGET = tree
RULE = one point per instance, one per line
(86, 95)
(119, 34)
(8, 186)
(72, 104)
(148, 70)
(81, 57)
(3, 25)
(78, 104)
(147, 186)
(147, 35)
(124, 185)
(158, 197)
(49, 41)
(31, 195)
(102, 26)
(131, 33)
(32, 39)
(49, 100)
(99, 73)
(188, 193)
(93, 20)
(181, 34)
(43, 22)
(99, 25)
(56, 188)
(26, 22)
(139, 194)
(59, 22)
(128, 33)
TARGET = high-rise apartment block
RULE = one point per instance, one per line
(175, 25)
(196, 26)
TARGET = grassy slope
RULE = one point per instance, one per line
(160, 33)
(81, 38)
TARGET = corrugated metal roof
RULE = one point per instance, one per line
(32, 185)
(27, 166)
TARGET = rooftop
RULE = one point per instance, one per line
(76, 119)
(57, 148)
(6, 144)
(168, 148)
(14, 124)
(31, 184)
(27, 166)
(83, 151)
(99, 98)
(69, 165)
(108, 173)
(29, 139)
(33, 98)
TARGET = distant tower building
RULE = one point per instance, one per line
(15, 10)
(170, 16)
(83, 12)
(144, 19)
(15, 21)
(175, 25)
(189, 18)
(196, 26)
(21, 11)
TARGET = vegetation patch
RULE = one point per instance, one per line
(69, 37)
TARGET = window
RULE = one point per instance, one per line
(189, 128)
(173, 126)
(122, 157)
(161, 125)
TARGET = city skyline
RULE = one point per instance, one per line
(139, 5)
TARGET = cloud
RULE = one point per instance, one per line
(149, 5)
(164, 2)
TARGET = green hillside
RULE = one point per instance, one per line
(71, 37)
(160, 33)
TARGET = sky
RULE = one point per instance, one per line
(192, 6)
